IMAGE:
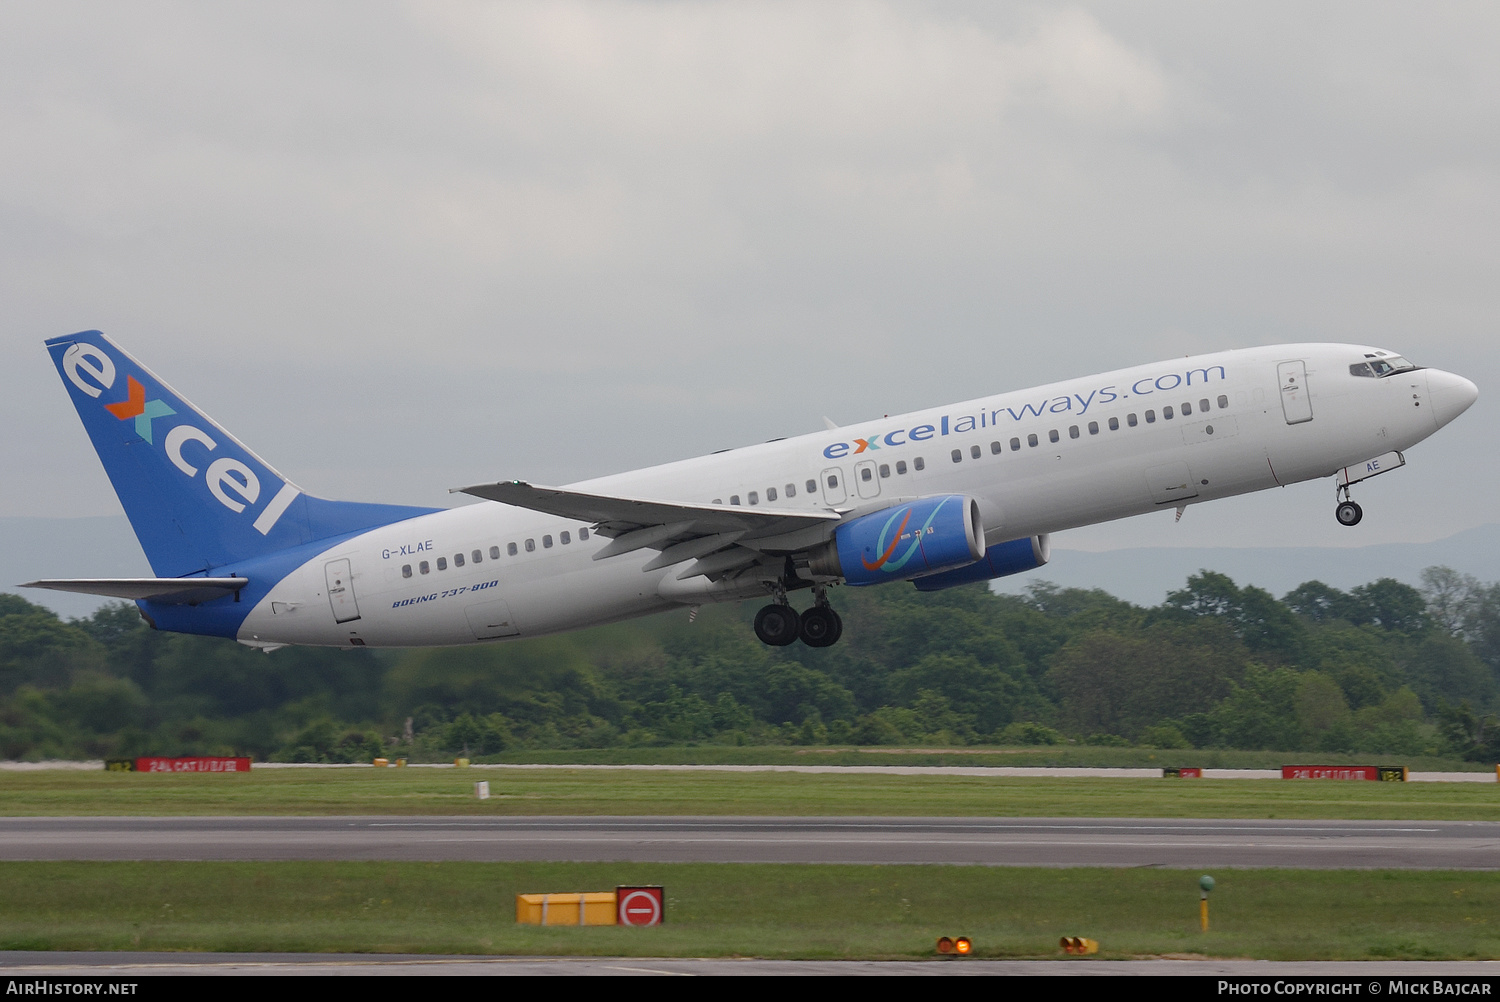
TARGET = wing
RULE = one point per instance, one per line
(173, 591)
(719, 539)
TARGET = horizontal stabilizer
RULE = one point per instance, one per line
(170, 591)
(616, 515)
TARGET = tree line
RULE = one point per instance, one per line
(1382, 668)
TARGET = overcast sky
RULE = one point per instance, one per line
(398, 248)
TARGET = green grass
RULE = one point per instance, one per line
(600, 792)
(748, 910)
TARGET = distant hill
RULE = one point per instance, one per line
(32, 548)
(1144, 576)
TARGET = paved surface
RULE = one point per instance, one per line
(1473, 845)
(146, 965)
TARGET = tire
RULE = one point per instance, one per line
(819, 627)
(777, 625)
(1348, 513)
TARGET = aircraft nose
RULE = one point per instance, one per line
(1451, 395)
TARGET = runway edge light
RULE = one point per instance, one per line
(1078, 945)
(1205, 884)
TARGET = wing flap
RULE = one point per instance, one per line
(172, 591)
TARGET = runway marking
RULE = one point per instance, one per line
(543, 826)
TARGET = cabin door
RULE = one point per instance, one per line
(1296, 404)
(341, 591)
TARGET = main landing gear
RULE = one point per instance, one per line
(1347, 512)
(778, 623)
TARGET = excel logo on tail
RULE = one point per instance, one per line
(233, 483)
(137, 406)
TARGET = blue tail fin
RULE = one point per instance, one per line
(196, 497)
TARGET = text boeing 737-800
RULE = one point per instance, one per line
(939, 497)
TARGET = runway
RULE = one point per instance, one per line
(1121, 842)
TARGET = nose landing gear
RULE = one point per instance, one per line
(1347, 511)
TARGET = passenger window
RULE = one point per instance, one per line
(833, 480)
(919, 464)
(458, 560)
(1114, 424)
(583, 534)
(770, 494)
(718, 500)
(734, 499)
(1072, 431)
(1150, 417)
(530, 546)
(1223, 402)
(406, 570)
(1166, 412)
(477, 556)
(547, 542)
(422, 567)
(510, 548)
(900, 467)
(1187, 408)
(1203, 405)
(885, 470)
(1052, 435)
(1093, 427)
(1031, 440)
(1130, 420)
(995, 448)
(755, 495)
(958, 455)
(1015, 445)
(791, 490)
(812, 487)
(495, 552)
(565, 537)
(442, 563)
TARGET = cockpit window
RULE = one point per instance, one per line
(1381, 367)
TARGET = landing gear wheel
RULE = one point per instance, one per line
(777, 625)
(1348, 513)
(838, 627)
(820, 627)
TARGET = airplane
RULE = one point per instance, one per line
(941, 497)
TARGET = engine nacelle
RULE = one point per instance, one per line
(903, 541)
(1000, 560)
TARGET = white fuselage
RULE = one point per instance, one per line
(1038, 460)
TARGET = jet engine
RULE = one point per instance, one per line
(998, 561)
(903, 541)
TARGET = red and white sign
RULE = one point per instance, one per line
(193, 763)
(1330, 772)
(641, 905)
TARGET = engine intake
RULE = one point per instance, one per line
(903, 542)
